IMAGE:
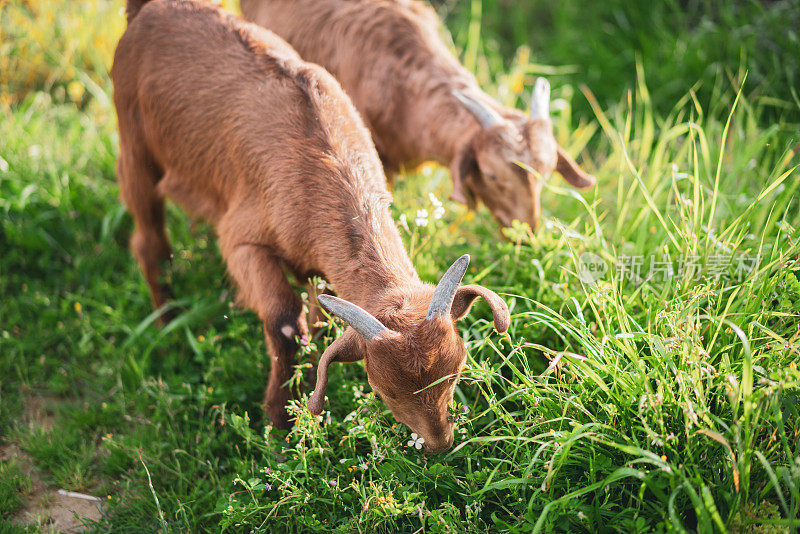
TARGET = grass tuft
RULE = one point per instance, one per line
(649, 378)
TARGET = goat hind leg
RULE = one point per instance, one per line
(138, 176)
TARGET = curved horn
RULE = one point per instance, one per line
(486, 116)
(361, 320)
(540, 99)
(442, 300)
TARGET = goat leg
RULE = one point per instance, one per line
(263, 287)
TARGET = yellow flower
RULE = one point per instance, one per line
(75, 91)
(663, 457)
(792, 366)
(517, 84)
(201, 338)
(78, 307)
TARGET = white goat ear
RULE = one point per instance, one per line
(540, 99)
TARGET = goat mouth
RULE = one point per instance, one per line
(438, 449)
(507, 221)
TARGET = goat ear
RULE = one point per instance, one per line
(465, 298)
(462, 169)
(349, 347)
(573, 174)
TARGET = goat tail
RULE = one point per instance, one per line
(132, 8)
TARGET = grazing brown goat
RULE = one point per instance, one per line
(225, 119)
(421, 104)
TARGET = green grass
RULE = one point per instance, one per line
(13, 486)
(628, 404)
(681, 43)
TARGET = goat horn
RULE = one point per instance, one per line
(485, 115)
(361, 320)
(540, 99)
(442, 300)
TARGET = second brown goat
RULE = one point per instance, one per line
(225, 119)
(421, 104)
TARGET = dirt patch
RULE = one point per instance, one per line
(53, 509)
(36, 412)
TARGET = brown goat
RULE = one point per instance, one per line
(421, 104)
(225, 119)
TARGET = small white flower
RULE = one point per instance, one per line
(404, 222)
(435, 201)
(328, 418)
(343, 460)
(363, 466)
(416, 441)
(321, 284)
(422, 218)
(676, 174)
(349, 417)
(3, 165)
(438, 212)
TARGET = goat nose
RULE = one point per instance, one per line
(435, 449)
(439, 445)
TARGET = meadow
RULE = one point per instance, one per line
(649, 379)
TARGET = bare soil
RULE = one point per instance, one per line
(44, 505)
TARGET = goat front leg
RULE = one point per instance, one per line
(263, 288)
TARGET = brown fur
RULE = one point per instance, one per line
(388, 56)
(226, 120)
